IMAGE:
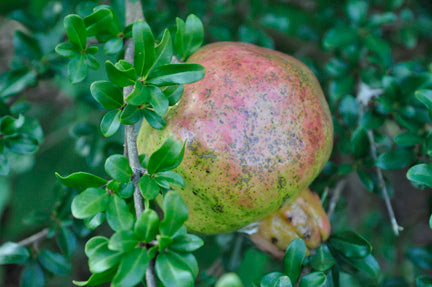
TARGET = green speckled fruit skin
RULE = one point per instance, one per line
(257, 129)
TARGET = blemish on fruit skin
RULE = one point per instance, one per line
(261, 116)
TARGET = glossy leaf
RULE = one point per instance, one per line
(421, 174)
(130, 115)
(173, 273)
(339, 37)
(124, 241)
(110, 123)
(117, 166)
(76, 30)
(186, 243)
(189, 36)
(351, 244)
(133, 266)
(67, 241)
(144, 56)
(81, 180)
(175, 214)
(322, 259)
(167, 157)
(118, 215)
(173, 74)
(78, 69)
(314, 279)
(147, 225)
(270, 279)
(90, 202)
(98, 278)
(154, 120)
(164, 50)
(113, 46)
(107, 95)
(100, 257)
(149, 188)
(120, 74)
(67, 49)
(173, 93)
(293, 258)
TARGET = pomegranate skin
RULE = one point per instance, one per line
(257, 129)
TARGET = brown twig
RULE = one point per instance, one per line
(34, 238)
(337, 191)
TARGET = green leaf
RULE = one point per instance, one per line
(186, 243)
(407, 139)
(92, 62)
(117, 166)
(158, 101)
(140, 94)
(133, 266)
(76, 30)
(92, 50)
(357, 10)
(98, 278)
(22, 144)
(11, 252)
(16, 81)
(107, 95)
(293, 258)
(425, 96)
(67, 49)
(118, 215)
(149, 188)
(270, 279)
(154, 120)
(380, 47)
(322, 259)
(94, 221)
(360, 143)
(54, 262)
(89, 202)
(421, 257)
(174, 94)
(144, 56)
(110, 123)
(421, 174)
(339, 37)
(121, 74)
(78, 69)
(351, 244)
(113, 46)
(395, 159)
(367, 265)
(81, 180)
(126, 190)
(171, 272)
(32, 276)
(26, 46)
(283, 281)
(100, 257)
(102, 22)
(167, 157)
(175, 214)
(4, 166)
(124, 241)
(130, 115)
(189, 36)
(229, 280)
(172, 74)
(314, 279)
(67, 241)
(164, 51)
(147, 225)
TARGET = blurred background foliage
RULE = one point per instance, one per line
(372, 58)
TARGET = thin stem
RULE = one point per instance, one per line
(364, 95)
(34, 238)
(134, 13)
(395, 226)
(335, 197)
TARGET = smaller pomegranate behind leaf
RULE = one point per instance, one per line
(303, 217)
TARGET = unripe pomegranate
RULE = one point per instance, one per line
(303, 217)
(257, 129)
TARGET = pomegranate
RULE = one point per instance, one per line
(257, 129)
